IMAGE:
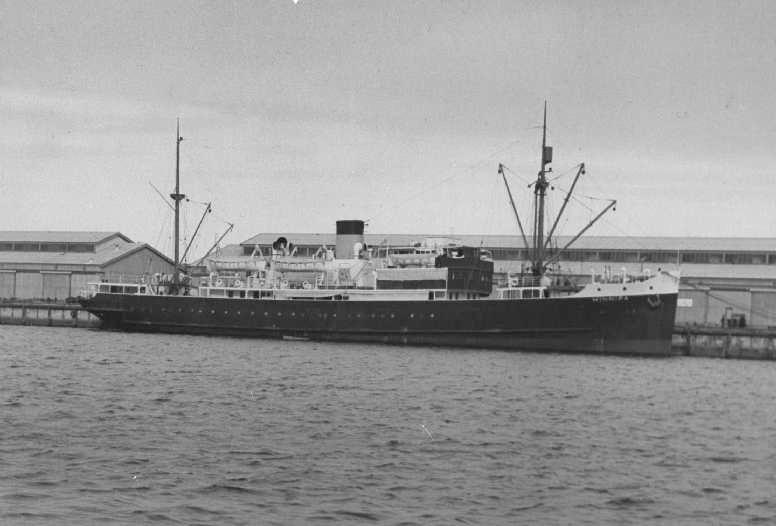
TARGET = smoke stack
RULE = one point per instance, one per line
(349, 232)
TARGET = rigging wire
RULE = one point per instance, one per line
(564, 173)
(527, 181)
(220, 218)
(490, 220)
(467, 170)
(184, 220)
(162, 227)
(640, 244)
(725, 301)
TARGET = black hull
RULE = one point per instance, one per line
(639, 325)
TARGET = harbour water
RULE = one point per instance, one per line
(114, 428)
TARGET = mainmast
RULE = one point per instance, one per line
(540, 190)
(177, 197)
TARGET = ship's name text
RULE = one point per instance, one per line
(607, 299)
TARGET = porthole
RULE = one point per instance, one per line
(253, 313)
(412, 315)
(293, 314)
(599, 289)
(212, 312)
(180, 310)
(226, 312)
(266, 314)
(280, 314)
(625, 288)
(393, 315)
(238, 313)
(650, 287)
(431, 315)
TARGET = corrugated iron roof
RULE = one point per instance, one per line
(666, 244)
(54, 236)
(100, 258)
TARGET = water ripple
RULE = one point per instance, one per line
(102, 428)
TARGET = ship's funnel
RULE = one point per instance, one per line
(349, 232)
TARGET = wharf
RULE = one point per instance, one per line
(722, 342)
(47, 314)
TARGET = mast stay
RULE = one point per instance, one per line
(208, 209)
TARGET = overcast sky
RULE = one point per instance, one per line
(298, 114)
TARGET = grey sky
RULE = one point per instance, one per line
(296, 115)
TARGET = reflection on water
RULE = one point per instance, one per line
(99, 427)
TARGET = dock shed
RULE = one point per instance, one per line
(57, 265)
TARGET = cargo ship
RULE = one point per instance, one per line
(435, 292)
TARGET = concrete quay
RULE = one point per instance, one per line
(721, 342)
(47, 314)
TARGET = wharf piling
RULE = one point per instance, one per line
(47, 314)
(722, 342)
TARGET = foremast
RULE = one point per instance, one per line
(540, 253)
(177, 196)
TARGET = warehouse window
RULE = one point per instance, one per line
(26, 247)
(701, 257)
(654, 256)
(745, 258)
(53, 247)
(80, 247)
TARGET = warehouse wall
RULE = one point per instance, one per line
(56, 285)
(141, 262)
(7, 284)
(709, 305)
(29, 285)
(740, 301)
(763, 312)
(43, 285)
(80, 282)
(693, 305)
